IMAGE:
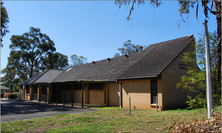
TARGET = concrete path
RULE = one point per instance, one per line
(12, 110)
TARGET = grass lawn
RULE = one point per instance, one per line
(109, 119)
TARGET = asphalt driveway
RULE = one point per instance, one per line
(12, 110)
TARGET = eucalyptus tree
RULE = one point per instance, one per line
(55, 61)
(29, 50)
(4, 22)
(78, 60)
(129, 48)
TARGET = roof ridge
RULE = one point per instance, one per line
(168, 41)
(60, 74)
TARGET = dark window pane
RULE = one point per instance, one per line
(78, 87)
(153, 91)
(96, 86)
(44, 90)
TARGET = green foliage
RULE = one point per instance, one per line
(15, 88)
(30, 54)
(198, 102)
(55, 61)
(119, 3)
(129, 48)
(28, 51)
(185, 6)
(195, 79)
(4, 22)
(78, 60)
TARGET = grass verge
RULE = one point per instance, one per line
(109, 119)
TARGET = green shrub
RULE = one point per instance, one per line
(197, 102)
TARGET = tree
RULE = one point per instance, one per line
(28, 51)
(214, 8)
(55, 61)
(129, 48)
(4, 22)
(195, 79)
(78, 60)
(31, 53)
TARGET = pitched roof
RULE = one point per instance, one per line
(5, 88)
(158, 57)
(47, 76)
(146, 64)
(32, 79)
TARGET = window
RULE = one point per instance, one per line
(96, 86)
(153, 91)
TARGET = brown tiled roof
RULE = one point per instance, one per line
(146, 64)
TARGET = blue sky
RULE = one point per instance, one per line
(95, 29)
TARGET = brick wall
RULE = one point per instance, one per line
(172, 97)
(139, 91)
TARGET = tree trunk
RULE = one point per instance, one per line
(218, 17)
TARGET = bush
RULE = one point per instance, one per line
(197, 102)
(12, 96)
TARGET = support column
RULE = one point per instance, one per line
(39, 92)
(73, 88)
(49, 93)
(121, 99)
(86, 93)
(31, 92)
(26, 97)
(107, 94)
(64, 90)
(83, 94)
(104, 88)
(23, 92)
(57, 93)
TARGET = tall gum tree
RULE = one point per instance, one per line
(29, 51)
